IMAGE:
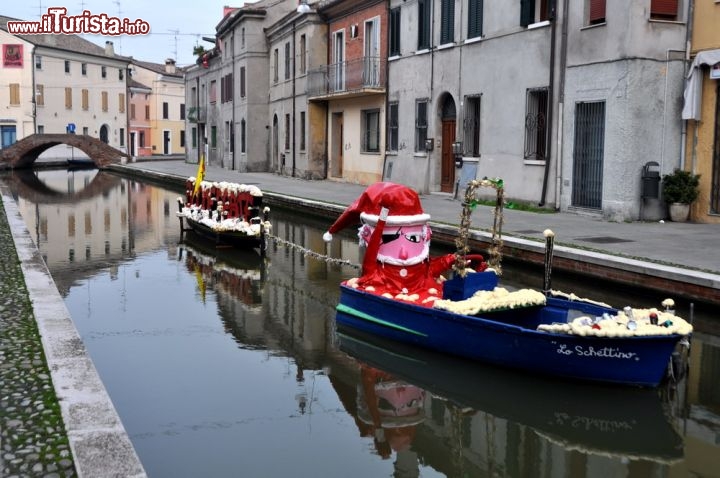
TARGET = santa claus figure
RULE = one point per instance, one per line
(395, 232)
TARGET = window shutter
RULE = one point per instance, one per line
(665, 8)
(597, 11)
(448, 21)
(527, 12)
(475, 12)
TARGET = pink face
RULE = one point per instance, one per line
(401, 244)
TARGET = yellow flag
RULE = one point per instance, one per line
(200, 176)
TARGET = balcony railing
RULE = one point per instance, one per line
(367, 73)
(197, 114)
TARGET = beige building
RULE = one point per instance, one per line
(166, 104)
(59, 83)
(702, 111)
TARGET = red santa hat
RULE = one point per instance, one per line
(402, 202)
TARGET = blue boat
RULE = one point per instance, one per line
(554, 335)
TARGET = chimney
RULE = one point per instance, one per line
(109, 48)
(170, 66)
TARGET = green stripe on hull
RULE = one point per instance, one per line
(370, 318)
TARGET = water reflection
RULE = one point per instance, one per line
(480, 413)
(221, 362)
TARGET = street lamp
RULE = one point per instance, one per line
(303, 7)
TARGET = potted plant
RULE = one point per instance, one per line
(680, 189)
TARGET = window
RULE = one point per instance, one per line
(121, 74)
(213, 91)
(213, 137)
(447, 21)
(15, 94)
(287, 132)
(242, 82)
(395, 31)
(370, 130)
(121, 102)
(182, 111)
(596, 12)
(67, 66)
(38, 62)
(303, 53)
(85, 99)
(166, 110)
(83, 69)
(242, 38)
(475, 18)
(226, 88)
(147, 112)
(85, 130)
(534, 11)
(664, 9)
(68, 98)
(420, 125)
(104, 100)
(39, 95)
(193, 137)
(103, 71)
(424, 10)
(287, 61)
(41, 129)
(536, 124)
(392, 127)
(472, 126)
(122, 136)
(276, 65)
(302, 131)
(242, 136)
(132, 111)
(182, 138)
(141, 139)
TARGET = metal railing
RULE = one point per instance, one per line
(368, 72)
(197, 114)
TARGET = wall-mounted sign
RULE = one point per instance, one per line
(12, 56)
(715, 71)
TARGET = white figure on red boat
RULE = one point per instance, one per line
(396, 235)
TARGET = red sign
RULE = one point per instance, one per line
(12, 56)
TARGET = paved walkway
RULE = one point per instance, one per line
(683, 252)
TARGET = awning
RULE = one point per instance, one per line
(693, 86)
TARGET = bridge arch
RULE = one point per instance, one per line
(23, 153)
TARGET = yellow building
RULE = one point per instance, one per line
(702, 110)
(166, 105)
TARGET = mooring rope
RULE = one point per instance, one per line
(310, 253)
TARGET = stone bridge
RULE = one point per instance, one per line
(23, 153)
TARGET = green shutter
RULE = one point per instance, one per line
(527, 12)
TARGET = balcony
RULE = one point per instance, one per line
(197, 114)
(367, 75)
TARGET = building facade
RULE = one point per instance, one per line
(64, 84)
(702, 110)
(166, 105)
(139, 119)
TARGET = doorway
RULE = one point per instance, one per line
(133, 144)
(104, 133)
(337, 141)
(589, 155)
(447, 158)
(166, 141)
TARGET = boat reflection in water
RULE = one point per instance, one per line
(486, 414)
(237, 273)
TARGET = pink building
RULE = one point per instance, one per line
(139, 119)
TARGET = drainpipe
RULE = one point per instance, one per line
(561, 105)
(688, 43)
(232, 126)
(551, 85)
(293, 98)
(387, 99)
(432, 84)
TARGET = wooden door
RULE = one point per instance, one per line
(447, 167)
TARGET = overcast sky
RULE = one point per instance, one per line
(176, 26)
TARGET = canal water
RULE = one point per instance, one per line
(224, 363)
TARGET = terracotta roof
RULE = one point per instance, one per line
(136, 84)
(72, 43)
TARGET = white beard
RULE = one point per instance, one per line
(394, 261)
